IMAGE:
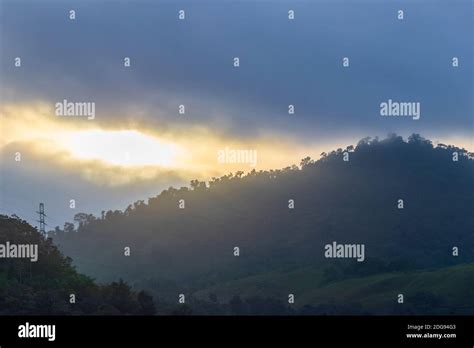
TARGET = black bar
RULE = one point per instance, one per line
(135, 330)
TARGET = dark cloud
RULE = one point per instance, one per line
(282, 62)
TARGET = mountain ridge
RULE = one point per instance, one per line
(183, 250)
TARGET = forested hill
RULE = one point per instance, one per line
(43, 284)
(184, 239)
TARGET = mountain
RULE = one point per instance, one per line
(407, 202)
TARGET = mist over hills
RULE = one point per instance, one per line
(49, 285)
(95, 119)
(190, 250)
(185, 250)
(182, 242)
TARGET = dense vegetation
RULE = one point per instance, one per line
(45, 286)
(191, 251)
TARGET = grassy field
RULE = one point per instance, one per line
(444, 291)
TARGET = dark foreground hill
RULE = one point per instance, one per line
(45, 286)
(184, 241)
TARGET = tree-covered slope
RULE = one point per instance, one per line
(183, 240)
(45, 286)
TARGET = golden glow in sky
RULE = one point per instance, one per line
(123, 148)
(101, 152)
(104, 153)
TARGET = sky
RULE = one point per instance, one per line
(139, 144)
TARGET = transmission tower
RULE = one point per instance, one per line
(42, 215)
